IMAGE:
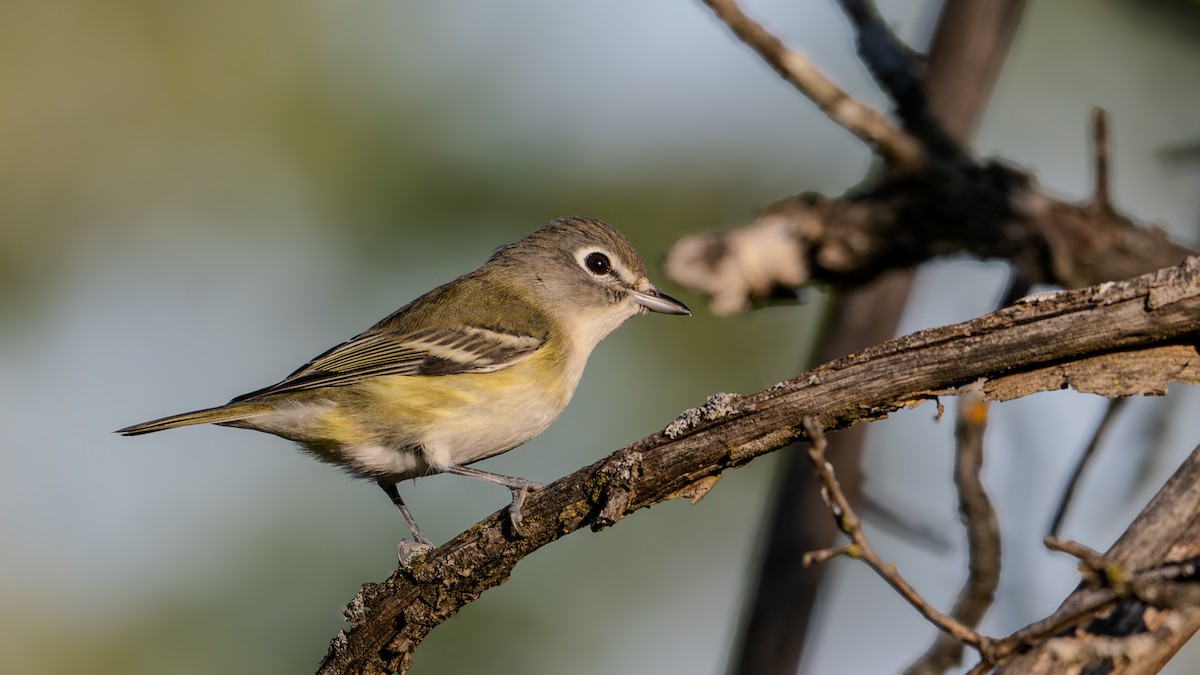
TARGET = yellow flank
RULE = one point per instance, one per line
(339, 428)
(465, 416)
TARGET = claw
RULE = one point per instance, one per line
(519, 487)
(407, 550)
(519, 492)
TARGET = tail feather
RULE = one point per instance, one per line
(226, 413)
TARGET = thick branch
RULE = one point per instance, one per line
(989, 212)
(1035, 341)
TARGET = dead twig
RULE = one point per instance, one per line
(899, 148)
(1102, 193)
(1108, 583)
(1110, 413)
(896, 69)
(848, 522)
(1141, 601)
(983, 534)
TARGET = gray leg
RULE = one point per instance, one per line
(394, 495)
(519, 487)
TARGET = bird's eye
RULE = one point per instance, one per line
(597, 263)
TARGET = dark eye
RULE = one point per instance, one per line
(597, 263)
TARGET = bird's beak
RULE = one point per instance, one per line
(657, 301)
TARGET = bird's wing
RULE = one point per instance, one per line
(430, 351)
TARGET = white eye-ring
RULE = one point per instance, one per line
(597, 262)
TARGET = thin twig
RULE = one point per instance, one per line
(1072, 611)
(1108, 584)
(900, 149)
(825, 554)
(1164, 529)
(1110, 412)
(849, 523)
(1096, 570)
(1101, 571)
(1086, 554)
(1101, 197)
(983, 534)
(1155, 582)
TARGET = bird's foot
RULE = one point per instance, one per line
(520, 489)
(407, 550)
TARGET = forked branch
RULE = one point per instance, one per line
(933, 199)
(1154, 585)
(860, 548)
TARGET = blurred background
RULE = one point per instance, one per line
(195, 198)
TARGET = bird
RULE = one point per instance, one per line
(470, 370)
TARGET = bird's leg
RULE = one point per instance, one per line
(519, 487)
(405, 549)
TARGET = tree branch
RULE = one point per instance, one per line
(942, 203)
(774, 625)
(861, 549)
(988, 211)
(1148, 614)
(896, 70)
(1155, 608)
(899, 148)
(1052, 341)
(1085, 458)
(983, 536)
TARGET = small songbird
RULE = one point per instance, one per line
(467, 371)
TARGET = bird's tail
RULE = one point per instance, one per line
(230, 412)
